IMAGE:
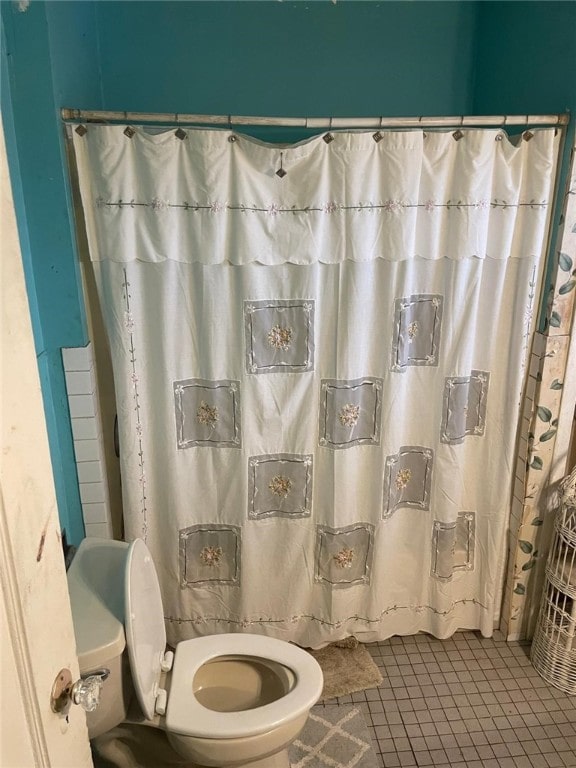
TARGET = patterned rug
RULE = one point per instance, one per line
(334, 737)
(346, 670)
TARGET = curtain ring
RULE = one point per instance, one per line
(328, 136)
(231, 138)
(281, 172)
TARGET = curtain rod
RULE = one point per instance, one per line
(87, 115)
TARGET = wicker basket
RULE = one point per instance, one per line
(553, 650)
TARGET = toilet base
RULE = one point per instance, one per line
(137, 746)
(279, 760)
(261, 750)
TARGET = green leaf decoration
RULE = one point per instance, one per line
(520, 589)
(555, 320)
(528, 565)
(537, 521)
(556, 384)
(537, 463)
(547, 435)
(564, 262)
(567, 287)
(526, 547)
(545, 414)
(554, 422)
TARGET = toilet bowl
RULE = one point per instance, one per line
(223, 700)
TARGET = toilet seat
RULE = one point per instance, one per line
(144, 625)
(184, 714)
(187, 716)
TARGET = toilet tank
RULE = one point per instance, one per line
(96, 586)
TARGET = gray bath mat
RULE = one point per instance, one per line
(334, 737)
(346, 670)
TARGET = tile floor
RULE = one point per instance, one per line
(466, 702)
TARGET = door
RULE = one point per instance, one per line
(36, 633)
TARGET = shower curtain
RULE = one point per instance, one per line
(318, 356)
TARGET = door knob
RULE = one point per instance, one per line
(85, 691)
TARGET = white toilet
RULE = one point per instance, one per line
(222, 700)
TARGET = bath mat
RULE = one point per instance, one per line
(333, 737)
(346, 670)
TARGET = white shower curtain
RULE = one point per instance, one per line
(318, 357)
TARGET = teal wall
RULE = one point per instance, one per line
(49, 55)
(261, 58)
(526, 64)
(527, 58)
(291, 58)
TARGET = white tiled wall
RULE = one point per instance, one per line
(88, 444)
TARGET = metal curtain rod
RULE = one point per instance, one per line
(87, 115)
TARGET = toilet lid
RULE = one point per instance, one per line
(145, 632)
